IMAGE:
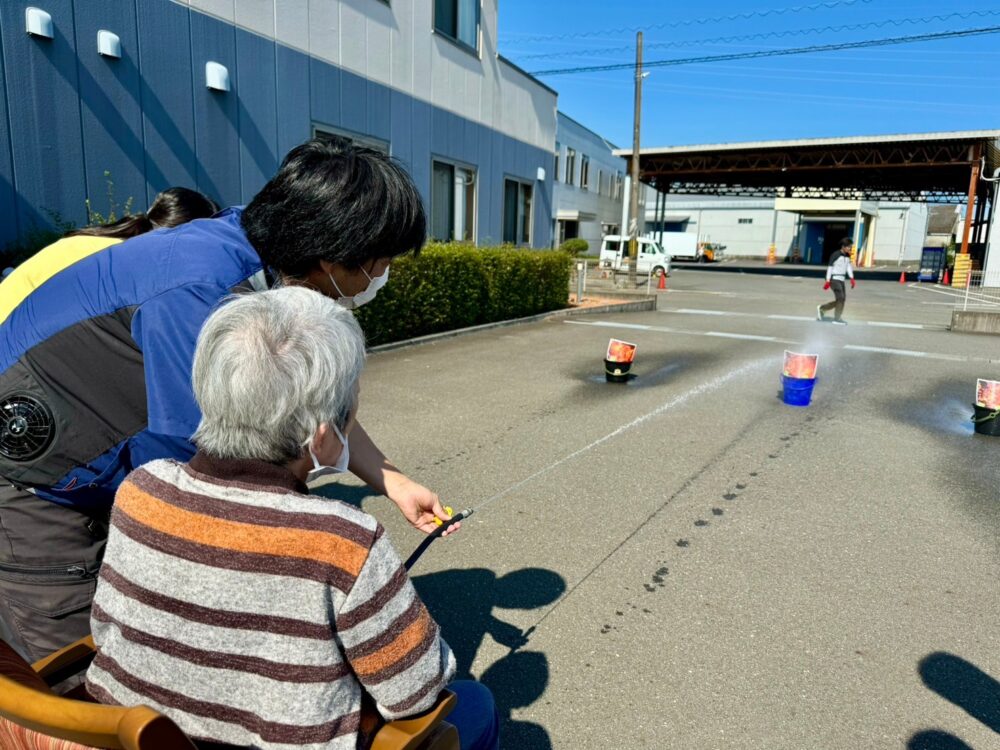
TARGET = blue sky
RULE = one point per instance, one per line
(918, 87)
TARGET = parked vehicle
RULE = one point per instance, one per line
(649, 255)
(685, 246)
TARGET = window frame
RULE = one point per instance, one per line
(584, 172)
(521, 183)
(570, 166)
(454, 38)
(456, 165)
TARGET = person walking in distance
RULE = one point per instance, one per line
(837, 273)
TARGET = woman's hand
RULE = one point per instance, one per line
(418, 504)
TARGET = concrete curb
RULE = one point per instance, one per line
(640, 305)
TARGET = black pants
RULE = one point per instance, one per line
(49, 557)
(839, 298)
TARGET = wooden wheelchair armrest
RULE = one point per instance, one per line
(68, 660)
(407, 734)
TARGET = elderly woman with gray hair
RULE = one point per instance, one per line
(234, 602)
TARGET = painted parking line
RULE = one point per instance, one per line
(774, 340)
(681, 331)
(896, 325)
(912, 353)
(743, 336)
(791, 317)
(689, 311)
(801, 318)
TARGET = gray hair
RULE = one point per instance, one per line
(269, 368)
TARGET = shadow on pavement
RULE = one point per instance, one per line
(965, 685)
(462, 602)
(933, 739)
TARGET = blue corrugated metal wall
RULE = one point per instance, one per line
(68, 115)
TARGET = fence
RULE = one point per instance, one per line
(592, 281)
(982, 292)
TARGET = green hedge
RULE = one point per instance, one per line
(575, 246)
(451, 286)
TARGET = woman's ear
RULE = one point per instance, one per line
(321, 438)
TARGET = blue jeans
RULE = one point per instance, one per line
(475, 717)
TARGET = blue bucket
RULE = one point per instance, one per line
(797, 391)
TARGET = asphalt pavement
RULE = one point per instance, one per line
(684, 561)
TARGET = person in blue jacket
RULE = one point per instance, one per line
(95, 365)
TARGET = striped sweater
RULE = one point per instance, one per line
(253, 614)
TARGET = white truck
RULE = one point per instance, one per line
(650, 257)
(685, 246)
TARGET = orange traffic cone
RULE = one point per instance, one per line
(947, 279)
(902, 277)
(663, 281)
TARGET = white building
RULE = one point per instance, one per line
(887, 232)
(589, 185)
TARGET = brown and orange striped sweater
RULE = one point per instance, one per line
(254, 614)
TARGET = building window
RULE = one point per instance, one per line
(570, 166)
(458, 19)
(556, 170)
(453, 203)
(328, 133)
(516, 212)
(745, 221)
(619, 183)
(584, 171)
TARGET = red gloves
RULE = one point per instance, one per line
(853, 284)
(826, 286)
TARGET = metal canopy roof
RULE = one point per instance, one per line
(933, 167)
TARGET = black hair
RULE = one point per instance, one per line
(171, 208)
(337, 202)
(846, 242)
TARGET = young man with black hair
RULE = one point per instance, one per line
(837, 272)
(95, 365)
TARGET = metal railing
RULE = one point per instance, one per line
(982, 292)
(594, 279)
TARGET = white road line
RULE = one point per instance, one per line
(908, 353)
(700, 291)
(791, 317)
(745, 336)
(774, 340)
(800, 318)
(681, 331)
(896, 325)
(688, 311)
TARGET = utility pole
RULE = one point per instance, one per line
(633, 229)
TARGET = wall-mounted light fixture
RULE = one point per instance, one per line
(108, 44)
(38, 23)
(216, 76)
(541, 174)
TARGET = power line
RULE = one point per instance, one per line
(696, 21)
(777, 52)
(769, 35)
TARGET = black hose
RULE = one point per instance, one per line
(434, 535)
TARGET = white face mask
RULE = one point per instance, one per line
(363, 297)
(340, 467)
